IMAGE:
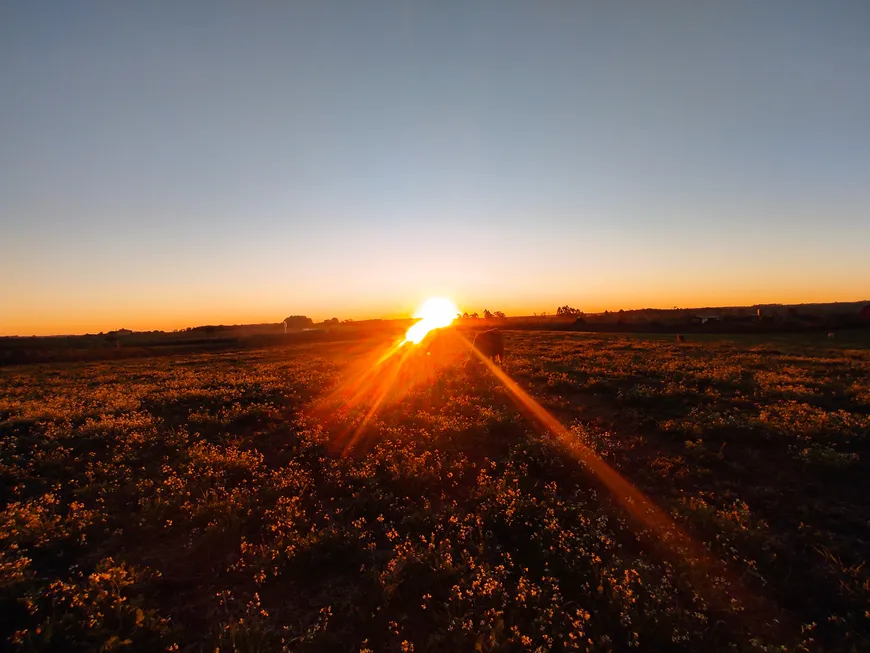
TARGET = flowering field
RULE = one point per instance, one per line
(313, 499)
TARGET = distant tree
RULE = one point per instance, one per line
(499, 315)
(486, 314)
(474, 316)
(295, 322)
(465, 315)
(568, 311)
(334, 320)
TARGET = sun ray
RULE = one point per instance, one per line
(702, 567)
(382, 393)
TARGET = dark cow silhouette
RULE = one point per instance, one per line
(490, 344)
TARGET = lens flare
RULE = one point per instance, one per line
(435, 313)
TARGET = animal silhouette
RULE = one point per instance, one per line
(490, 344)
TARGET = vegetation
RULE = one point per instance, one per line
(487, 315)
(745, 319)
(298, 322)
(241, 501)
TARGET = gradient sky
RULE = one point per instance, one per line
(167, 164)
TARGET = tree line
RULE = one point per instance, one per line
(487, 315)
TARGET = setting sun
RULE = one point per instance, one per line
(435, 313)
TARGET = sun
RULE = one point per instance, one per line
(435, 313)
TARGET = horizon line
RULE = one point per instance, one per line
(394, 317)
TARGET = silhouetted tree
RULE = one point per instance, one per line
(486, 314)
(568, 311)
(465, 315)
(499, 315)
(297, 322)
(475, 316)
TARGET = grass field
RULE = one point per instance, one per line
(289, 497)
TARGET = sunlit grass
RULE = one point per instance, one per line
(344, 498)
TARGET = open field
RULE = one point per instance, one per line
(288, 497)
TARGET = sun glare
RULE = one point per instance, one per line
(435, 313)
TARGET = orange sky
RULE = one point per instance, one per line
(140, 314)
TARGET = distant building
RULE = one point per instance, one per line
(703, 319)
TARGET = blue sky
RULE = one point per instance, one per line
(166, 164)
